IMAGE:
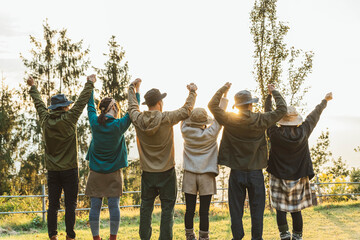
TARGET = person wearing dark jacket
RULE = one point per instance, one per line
(290, 166)
(61, 157)
(243, 148)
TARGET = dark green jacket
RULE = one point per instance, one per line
(59, 130)
(243, 145)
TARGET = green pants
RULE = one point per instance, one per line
(152, 185)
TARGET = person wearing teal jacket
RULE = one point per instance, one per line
(107, 154)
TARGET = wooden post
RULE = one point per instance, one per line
(319, 189)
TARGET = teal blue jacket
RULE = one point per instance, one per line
(107, 151)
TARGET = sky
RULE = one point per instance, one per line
(169, 44)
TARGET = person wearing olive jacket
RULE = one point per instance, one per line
(290, 166)
(107, 156)
(61, 152)
(243, 148)
(155, 141)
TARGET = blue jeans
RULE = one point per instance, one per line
(253, 181)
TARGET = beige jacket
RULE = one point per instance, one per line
(154, 131)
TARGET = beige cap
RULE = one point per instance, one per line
(291, 118)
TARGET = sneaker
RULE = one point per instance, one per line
(285, 235)
(297, 236)
(54, 237)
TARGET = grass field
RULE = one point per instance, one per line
(338, 221)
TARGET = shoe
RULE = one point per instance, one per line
(297, 236)
(204, 235)
(54, 237)
(190, 235)
(285, 235)
(69, 238)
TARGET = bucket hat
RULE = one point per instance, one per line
(244, 97)
(198, 118)
(153, 96)
(59, 100)
(291, 118)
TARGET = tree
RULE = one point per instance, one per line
(115, 80)
(272, 54)
(338, 168)
(320, 153)
(8, 142)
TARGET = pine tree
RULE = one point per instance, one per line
(8, 142)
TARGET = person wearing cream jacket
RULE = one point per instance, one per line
(200, 167)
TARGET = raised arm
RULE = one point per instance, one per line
(39, 104)
(91, 109)
(124, 122)
(184, 112)
(83, 99)
(133, 101)
(215, 128)
(268, 103)
(270, 118)
(312, 119)
(214, 105)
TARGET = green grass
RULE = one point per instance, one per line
(338, 221)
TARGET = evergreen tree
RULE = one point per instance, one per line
(320, 153)
(8, 142)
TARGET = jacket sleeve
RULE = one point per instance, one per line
(124, 122)
(182, 113)
(268, 103)
(312, 119)
(270, 118)
(215, 128)
(92, 110)
(39, 104)
(77, 109)
(214, 105)
(133, 106)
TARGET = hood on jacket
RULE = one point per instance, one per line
(150, 122)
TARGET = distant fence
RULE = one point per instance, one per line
(43, 196)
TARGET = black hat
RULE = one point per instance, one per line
(244, 97)
(59, 100)
(153, 96)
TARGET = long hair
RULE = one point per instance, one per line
(103, 105)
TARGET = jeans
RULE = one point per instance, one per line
(190, 201)
(94, 215)
(152, 185)
(57, 181)
(253, 181)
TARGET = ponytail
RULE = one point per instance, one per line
(103, 105)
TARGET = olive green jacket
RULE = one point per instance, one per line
(243, 145)
(59, 130)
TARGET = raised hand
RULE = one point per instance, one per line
(137, 83)
(30, 81)
(92, 78)
(228, 86)
(192, 87)
(328, 96)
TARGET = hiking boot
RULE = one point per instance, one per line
(204, 235)
(285, 235)
(190, 235)
(54, 237)
(297, 236)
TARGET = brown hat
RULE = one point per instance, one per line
(244, 97)
(291, 118)
(198, 118)
(153, 96)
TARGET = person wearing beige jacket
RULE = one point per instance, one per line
(155, 142)
(200, 133)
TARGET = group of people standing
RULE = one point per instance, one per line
(243, 148)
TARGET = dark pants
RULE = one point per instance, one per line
(57, 181)
(190, 201)
(152, 185)
(253, 181)
(296, 217)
